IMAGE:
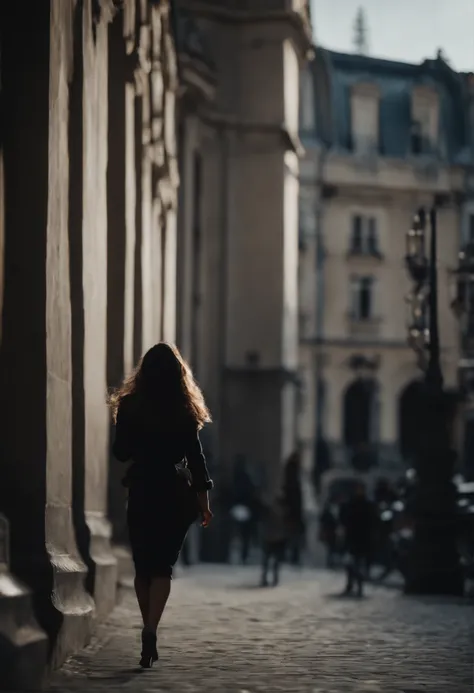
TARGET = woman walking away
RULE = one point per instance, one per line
(158, 412)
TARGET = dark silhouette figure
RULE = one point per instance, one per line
(322, 462)
(275, 536)
(328, 526)
(359, 520)
(293, 498)
(244, 507)
(159, 411)
(384, 492)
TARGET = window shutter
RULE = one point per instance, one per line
(470, 231)
(354, 298)
(372, 237)
(356, 240)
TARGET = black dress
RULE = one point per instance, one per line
(161, 505)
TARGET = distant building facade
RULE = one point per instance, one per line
(238, 228)
(382, 138)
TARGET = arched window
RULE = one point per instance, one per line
(361, 413)
(362, 422)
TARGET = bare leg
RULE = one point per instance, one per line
(142, 590)
(160, 588)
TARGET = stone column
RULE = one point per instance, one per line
(94, 239)
(168, 185)
(2, 213)
(23, 645)
(130, 238)
(117, 205)
(35, 363)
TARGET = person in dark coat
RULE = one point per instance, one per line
(244, 507)
(293, 497)
(159, 411)
(328, 526)
(275, 533)
(359, 520)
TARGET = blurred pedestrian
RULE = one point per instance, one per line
(328, 525)
(275, 532)
(159, 411)
(244, 507)
(293, 496)
(242, 517)
(359, 521)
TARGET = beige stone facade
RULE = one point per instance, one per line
(238, 229)
(362, 180)
(88, 182)
(105, 105)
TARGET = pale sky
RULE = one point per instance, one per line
(407, 30)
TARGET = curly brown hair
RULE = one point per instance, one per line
(165, 378)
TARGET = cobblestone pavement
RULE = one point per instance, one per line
(222, 634)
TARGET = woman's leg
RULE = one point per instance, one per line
(159, 592)
(142, 590)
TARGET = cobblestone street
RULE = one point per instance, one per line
(221, 633)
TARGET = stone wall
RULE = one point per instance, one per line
(88, 192)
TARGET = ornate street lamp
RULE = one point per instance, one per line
(433, 566)
(463, 306)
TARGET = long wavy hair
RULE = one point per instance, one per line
(164, 383)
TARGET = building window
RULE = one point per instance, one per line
(362, 420)
(364, 236)
(424, 125)
(357, 240)
(362, 298)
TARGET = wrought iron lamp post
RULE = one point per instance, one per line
(463, 306)
(434, 565)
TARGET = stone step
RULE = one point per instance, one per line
(23, 645)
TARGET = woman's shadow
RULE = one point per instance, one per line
(122, 676)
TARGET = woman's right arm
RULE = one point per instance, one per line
(122, 447)
(201, 479)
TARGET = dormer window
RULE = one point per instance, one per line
(365, 119)
(424, 121)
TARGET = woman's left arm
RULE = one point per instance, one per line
(202, 482)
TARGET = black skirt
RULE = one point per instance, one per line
(160, 511)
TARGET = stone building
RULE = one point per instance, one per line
(89, 205)
(105, 105)
(238, 231)
(382, 138)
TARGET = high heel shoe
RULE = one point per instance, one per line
(149, 652)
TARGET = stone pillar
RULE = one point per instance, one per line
(169, 180)
(94, 239)
(2, 213)
(23, 645)
(117, 205)
(130, 239)
(35, 363)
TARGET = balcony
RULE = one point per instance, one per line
(358, 252)
(363, 328)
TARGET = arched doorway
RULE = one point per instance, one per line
(361, 422)
(409, 419)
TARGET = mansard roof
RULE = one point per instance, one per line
(395, 82)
